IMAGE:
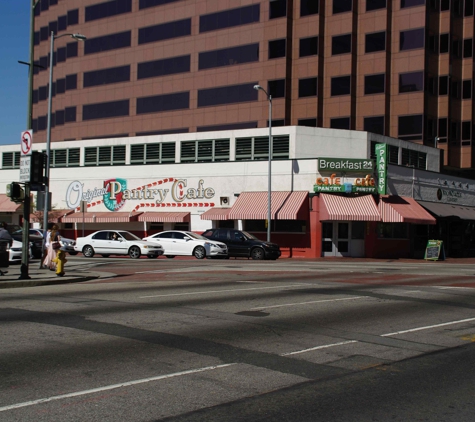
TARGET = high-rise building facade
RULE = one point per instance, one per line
(401, 68)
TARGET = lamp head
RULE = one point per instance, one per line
(79, 37)
(257, 87)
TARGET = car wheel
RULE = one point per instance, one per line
(152, 256)
(88, 251)
(257, 253)
(72, 253)
(134, 252)
(170, 256)
(105, 255)
(199, 252)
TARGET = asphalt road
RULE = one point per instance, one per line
(238, 340)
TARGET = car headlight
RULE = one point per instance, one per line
(145, 246)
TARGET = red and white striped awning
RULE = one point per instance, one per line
(165, 217)
(401, 209)
(216, 214)
(284, 206)
(6, 205)
(54, 216)
(100, 217)
(348, 208)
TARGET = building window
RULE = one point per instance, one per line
(71, 82)
(308, 7)
(202, 151)
(11, 160)
(276, 88)
(104, 155)
(156, 153)
(73, 17)
(374, 84)
(374, 124)
(230, 126)
(468, 9)
(411, 82)
(258, 148)
(340, 85)
(308, 122)
(443, 85)
(411, 3)
(111, 75)
(109, 8)
(443, 124)
(466, 131)
(72, 49)
(160, 103)
(413, 158)
(59, 117)
(65, 157)
(165, 31)
(307, 87)
(467, 48)
(106, 42)
(410, 127)
(61, 55)
(444, 43)
(467, 89)
(392, 231)
(411, 39)
(341, 6)
(163, 67)
(70, 114)
(144, 4)
(229, 56)
(277, 9)
(276, 48)
(375, 42)
(340, 123)
(375, 5)
(341, 44)
(227, 95)
(105, 110)
(308, 46)
(230, 18)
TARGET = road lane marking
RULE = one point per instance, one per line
(226, 291)
(307, 303)
(111, 387)
(325, 346)
(427, 327)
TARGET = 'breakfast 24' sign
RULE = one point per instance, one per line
(345, 165)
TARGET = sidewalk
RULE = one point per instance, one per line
(46, 277)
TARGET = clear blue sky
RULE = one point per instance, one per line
(14, 46)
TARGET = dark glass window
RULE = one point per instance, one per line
(276, 88)
(466, 130)
(308, 122)
(53, 27)
(111, 75)
(71, 82)
(44, 62)
(105, 110)
(70, 114)
(375, 5)
(307, 87)
(60, 86)
(340, 85)
(228, 56)
(44, 33)
(444, 43)
(308, 7)
(375, 42)
(308, 46)
(62, 23)
(165, 31)
(61, 54)
(42, 93)
(144, 4)
(37, 38)
(35, 96)
(374, 84)
(230, 126)
(410, 3)
(456, 48)
(277, 9)
(72, 49)
(53, 2)
(468, 9)
(467, 89)
(227, 95)
(107, 42)
(109, 8)
(41, 122)
(467, 48)
(277, 49)
(59, 117)
(374, 124)
(341, 44)
(44, 5)
(411, 82)
(230, 18)
(340, 123)
(341, 6)
(443, 85)
(163, 67)
(444, 5)
(163, 132)
(410, 127)
(411, 39)
(443, 127)
(73, 17)
(167, 102)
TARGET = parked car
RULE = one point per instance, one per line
(103, 243)
(66, 244)
(35, 240)
(244, 244)
(15, 251)
(177, 242)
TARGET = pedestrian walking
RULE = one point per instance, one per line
(59, 255)
(46, 236)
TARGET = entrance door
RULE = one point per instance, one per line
(343, 238)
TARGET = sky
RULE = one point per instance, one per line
(14, 46)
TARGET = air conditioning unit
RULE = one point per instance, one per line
(224, 200)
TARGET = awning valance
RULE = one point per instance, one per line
(216, 214)
(6, 205)
(284, 206)
(165, 217)
(400, 209)
(54, 216)
(348, 208)
(449, 210)
(100, 217)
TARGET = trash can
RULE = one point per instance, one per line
(4, 254)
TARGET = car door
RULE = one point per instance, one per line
(100, 242)
(117, 244)
(181, 244)
(237, 243)
(165, 239)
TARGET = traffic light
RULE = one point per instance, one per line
(37, 169)
(15, 192)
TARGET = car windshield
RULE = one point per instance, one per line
(250, 236)
(129, 236)
(196, 236)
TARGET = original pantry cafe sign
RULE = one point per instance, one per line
(334, 176)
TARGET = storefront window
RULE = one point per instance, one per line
(281, 226)
(358, 229)
(392, 231)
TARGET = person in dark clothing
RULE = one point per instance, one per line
(5, 236)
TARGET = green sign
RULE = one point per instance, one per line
(345, 188)
(434, 250)
(345, 165)
(382, 167)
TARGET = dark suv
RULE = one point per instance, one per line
(244, 244)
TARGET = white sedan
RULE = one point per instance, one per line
(116, 242)
(177, 242)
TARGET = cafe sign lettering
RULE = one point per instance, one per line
(345, 165)
(334, 184)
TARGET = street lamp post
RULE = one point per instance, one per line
(269, 185)
(78, 37)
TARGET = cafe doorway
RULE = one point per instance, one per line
(343, 238)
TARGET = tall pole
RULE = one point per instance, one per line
(269, 188)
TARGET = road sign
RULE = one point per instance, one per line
(25, 168)
(26, 142)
